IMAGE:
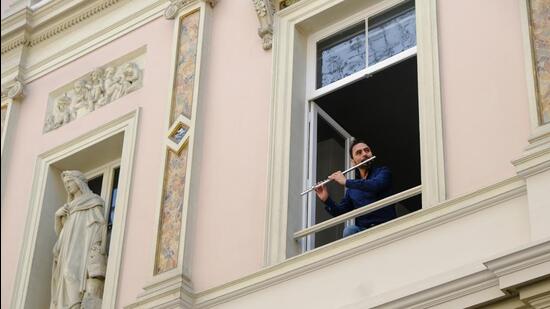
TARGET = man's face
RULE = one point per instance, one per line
(360, 153)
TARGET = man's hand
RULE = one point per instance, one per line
(338, 177)
(322, 193)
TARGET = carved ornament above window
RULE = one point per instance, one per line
(93, 91)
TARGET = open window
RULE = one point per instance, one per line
(365, 86)
(335, 55)
(103, 181)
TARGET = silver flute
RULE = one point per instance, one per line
(344, 172)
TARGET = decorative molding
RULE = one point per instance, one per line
(96, 89)
(169, 286)
(286, 149)
(181, 113)
(173, 292)
(483, 284)
(10, 115)
(286, 3)
(534, 160)
(101, 27)
(126, 124)
(265, 9)
(40, 33)
(176, 5)
(536, 295)
(508, 266)
(13, 89)
(379, 236)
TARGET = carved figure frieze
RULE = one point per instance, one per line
(98, 88)
(79, 255)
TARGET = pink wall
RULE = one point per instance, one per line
(229, 227)
(5, 4)
(485, 119)
(485, 108)
(231, 181)
(29, 142)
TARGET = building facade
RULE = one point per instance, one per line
(201, 122)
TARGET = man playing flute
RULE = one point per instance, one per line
(371, 183)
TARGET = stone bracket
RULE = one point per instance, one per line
(265, 9)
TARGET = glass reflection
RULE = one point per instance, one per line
(392, 32)
(341, 55)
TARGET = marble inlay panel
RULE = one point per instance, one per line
(540, 32)
(4, 113)
(175, 169)
(95, 90)
(185, 66)
(172, 206)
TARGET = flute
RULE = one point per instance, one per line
(344, 172)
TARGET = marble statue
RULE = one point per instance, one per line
(61, 113)
(112, 84)
(131, 78)
(97, 89)
(82, 103)
(79, 260)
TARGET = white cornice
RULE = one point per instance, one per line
(92, 24)
(48, 21)
(535, 159)
(417, 222)
(484, 283)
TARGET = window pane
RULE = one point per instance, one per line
(111, 211)
(95, 184)
(331, 157)
(114, 191)
(341, 55)
(392, 32)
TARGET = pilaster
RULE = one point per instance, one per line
(12, 95)
(534, 164)
(170, 285)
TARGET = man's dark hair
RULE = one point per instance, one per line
(355, 142)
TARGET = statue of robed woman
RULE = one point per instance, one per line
(79, 260)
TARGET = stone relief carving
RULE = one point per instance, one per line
(265, 10)
(100, 87)
(175, 5)
(286, 3)
(79, 258)
(13, 89)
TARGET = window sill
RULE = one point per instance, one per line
(378, 236)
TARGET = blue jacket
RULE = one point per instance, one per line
(361, 192)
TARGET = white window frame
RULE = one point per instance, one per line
(311, 178)
(127, 125)
(107, 171)
(293, 27)
(314, 93)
